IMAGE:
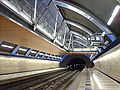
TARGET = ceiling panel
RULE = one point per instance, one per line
(101, 8)
(71, 15)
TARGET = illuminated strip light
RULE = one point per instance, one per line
(21, 49)
(116, 10)
(33, 52)
(97, 81)
(7, 46)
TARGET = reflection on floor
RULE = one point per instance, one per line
(90, 79)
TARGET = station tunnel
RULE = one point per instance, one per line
(59, 44)
(77, 61)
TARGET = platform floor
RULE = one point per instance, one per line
(90, 79)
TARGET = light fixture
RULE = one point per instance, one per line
(21, 49)
(116, 10)
(7, 46)
(33, 52)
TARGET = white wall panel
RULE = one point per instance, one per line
(110, 63)
(15, 64)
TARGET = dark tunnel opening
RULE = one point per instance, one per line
(76, 63)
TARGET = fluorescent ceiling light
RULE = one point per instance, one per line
(21, 49)
(6, 46)
(116, 10)
(41, 53)
(33, 52)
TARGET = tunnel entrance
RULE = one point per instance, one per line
(76, 62)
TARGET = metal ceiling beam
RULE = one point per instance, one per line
(81, 27)
(87, 15)
(78, 34)
(81, 43)
(78, 42)
(81, 37)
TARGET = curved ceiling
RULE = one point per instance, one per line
(102, 9)
(78, 22)
(89, 14)
(84, 29)
(72, 16)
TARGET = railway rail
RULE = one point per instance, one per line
(51, 81)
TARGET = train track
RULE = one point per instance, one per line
(51, 81)
(54, 83)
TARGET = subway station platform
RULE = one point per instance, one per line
(59, 45)
(92, 79)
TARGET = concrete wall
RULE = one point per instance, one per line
(17, 64)
(109, 63)
(11, 32)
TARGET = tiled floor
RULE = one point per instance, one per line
(90, 79)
